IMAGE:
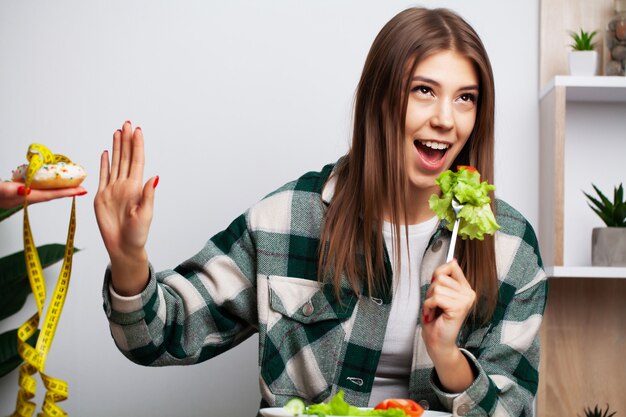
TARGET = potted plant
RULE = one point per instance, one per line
(608, 244)
(583, 58)
(598, 412)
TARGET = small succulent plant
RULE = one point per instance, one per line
(598, 412)
(583, 41)
(612, 213)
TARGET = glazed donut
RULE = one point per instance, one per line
(59, 175)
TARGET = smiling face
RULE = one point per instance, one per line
(440, 116)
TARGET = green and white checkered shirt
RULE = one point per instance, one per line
(260, 275)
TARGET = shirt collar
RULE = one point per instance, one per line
(329, 189)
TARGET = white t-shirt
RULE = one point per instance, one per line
(394, 367)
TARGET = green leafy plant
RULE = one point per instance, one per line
(14, 289)
(598, 412)
(583, 41)
(612, 213)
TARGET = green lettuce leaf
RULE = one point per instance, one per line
(476, 216)
(337, 406)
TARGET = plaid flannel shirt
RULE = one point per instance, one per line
(260, 275)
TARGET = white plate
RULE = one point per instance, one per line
(280, 412)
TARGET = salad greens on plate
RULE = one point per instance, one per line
(337, 406)
(476, 216)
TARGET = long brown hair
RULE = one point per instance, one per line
(371, 177)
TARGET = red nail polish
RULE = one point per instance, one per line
(432, 279)
(127, 121)
(156, 182)
(138, 128)
(80, 193)
(22, 191)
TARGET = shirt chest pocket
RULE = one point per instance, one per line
(306, 327)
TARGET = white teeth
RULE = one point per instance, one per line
(434, 145)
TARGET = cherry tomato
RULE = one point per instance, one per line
(410, 407)
(467, 167)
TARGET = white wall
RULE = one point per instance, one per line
(248, 95)
(594, 132)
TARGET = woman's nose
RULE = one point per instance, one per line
(442, 116)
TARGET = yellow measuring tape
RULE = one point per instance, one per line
(35, 358)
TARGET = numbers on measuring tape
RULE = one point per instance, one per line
(35, 357)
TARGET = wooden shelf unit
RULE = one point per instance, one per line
(582, 140)
(557, 99)
(583, 340)
(595, 272)
(593, 89)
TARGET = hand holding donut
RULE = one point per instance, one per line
(448, 302)
(123, 207)
(53, 176)
(12, 194)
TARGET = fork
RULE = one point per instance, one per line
(456, 206)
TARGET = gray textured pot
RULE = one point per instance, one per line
(608, 246)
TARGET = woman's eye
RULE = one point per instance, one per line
(468, 97)
(422, 89)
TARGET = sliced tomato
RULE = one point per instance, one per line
(410, 407)
(467, 167)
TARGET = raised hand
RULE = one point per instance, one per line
(123, 208)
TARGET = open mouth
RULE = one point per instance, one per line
(431, 151)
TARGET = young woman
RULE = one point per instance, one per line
(342, 272)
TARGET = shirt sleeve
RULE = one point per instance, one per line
(201, 308)
(505, 353)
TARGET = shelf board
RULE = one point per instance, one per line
(597, 88)
(585, 272)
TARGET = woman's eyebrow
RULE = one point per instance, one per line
(426, 80)
(470, 88)
(421, 78)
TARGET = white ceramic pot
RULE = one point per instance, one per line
(608, 246)
(584, 63)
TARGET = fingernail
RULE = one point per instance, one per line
(432, 279)
(21, 190)
(156, 182)
(127, 122)
(80, 193)
(138, 128)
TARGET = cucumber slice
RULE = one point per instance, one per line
(295, 406)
